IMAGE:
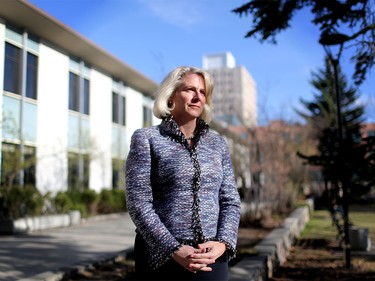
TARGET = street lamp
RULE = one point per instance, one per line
(327, 40)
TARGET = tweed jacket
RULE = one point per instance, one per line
(177, 194)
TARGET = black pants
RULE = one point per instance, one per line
(171, 270)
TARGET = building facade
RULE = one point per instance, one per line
(234, 97)
(68, 107)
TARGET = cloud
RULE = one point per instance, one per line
(181, 13)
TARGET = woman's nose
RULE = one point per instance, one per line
(198, 96)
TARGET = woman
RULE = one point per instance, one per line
(180, 187)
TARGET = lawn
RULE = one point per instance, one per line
(320, 224)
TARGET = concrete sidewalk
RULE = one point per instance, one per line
(47, 254)
(43, 255)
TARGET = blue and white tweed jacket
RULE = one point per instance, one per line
(180, 195)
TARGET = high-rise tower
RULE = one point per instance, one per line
(234, 97)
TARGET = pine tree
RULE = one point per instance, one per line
(343, 163)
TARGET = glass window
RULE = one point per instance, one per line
(73, 92)
(118, 109)
(11, 158)
(12, 69)
(73, 131)
(86, 171)
(11, 118)
(29, 126)
(74, 64)
(76, 179)
(32, 43)
(117, 173)
(11, 165)
(123, 107)
(73, 171)
(147, 116)
(86, 97)
(115, 112)
(31, 76)
(29, 166)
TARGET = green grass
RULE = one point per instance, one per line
(320, 224)
(365, 219)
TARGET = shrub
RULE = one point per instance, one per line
(63, 202)
(106, 202)
(90, 199)
(120, 199)
(82, 208)
(27, 201)
(22, 201)
(112, 201)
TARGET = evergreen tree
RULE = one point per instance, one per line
(346, 163)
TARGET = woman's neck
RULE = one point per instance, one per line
(187, 127)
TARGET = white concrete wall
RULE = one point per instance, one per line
(52, 119)
(100, 130)
(134, 113)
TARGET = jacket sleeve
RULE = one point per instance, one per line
(230, 204)
(139, 201)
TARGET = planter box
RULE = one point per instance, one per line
(24, 225)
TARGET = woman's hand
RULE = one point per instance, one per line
(211, 250)
(184, 257)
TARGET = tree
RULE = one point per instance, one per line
(284, 173)
(269, 17)
(335, 18)
(322, 117)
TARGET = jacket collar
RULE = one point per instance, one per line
(169, 127)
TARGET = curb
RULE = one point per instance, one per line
(273, 250)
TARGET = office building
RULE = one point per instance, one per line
(234, 98)
(68, 108)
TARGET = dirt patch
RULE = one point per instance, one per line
(320, 259)
(249, 237)
(111, 270)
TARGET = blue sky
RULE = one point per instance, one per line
(154, 36)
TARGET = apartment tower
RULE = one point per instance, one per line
(234, 97)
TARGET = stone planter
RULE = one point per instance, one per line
(24, 225)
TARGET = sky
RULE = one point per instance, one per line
(155, 36)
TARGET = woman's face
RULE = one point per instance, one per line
(190, 97)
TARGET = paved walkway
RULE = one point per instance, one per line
(40, 255)
(45, 255)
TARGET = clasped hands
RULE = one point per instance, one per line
(194, 259)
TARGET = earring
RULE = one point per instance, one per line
(170, 104)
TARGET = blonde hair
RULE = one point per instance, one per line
(172, 82)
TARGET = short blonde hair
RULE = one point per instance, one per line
(172, 82)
